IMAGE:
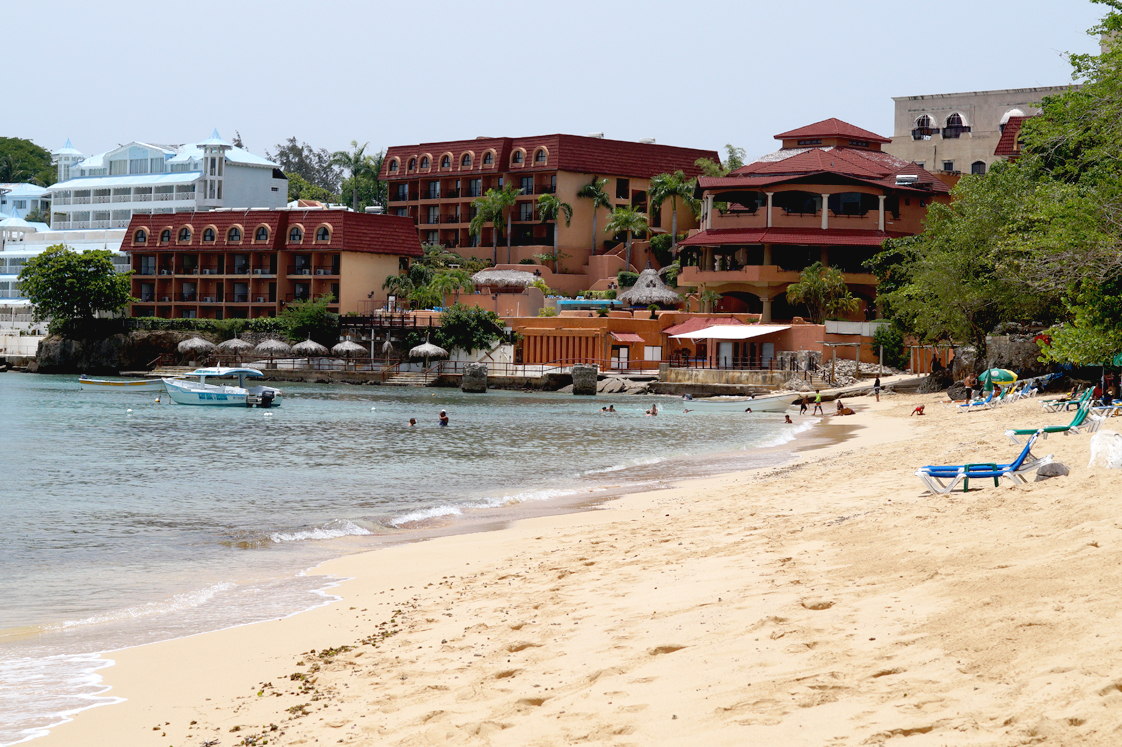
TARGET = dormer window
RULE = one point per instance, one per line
(140, 237)
(322, 234)
(954, 126)
(185, 234)
(234, 235)
(859, 143)
(425, 162)
(811, 141)
(412, 164)
(465, 162)
(445, 162)
(295, 236)
(488, 158)
(539, 157)
(924, 128)
(517, 157)
(165, 236)
(393, 166)
(261, 234)
(208, 234)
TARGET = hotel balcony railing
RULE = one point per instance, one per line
(165, 196)
(545, 189)
(102, 224)
(327, 270)
(404, 196)
(62, 201)
(81, 200)
(122, 198)
(430, 194)
(239, 270)
(142, 198)
(297, 297)
(920, 133)
(954, 132)
(449, 219)
(263, 299)
(300, 270)
(148, 297)
(264, 270)
(100, 199)
(211, 270)
(217, 298)
(430, 220)
(451, 193)
(475, 192)
(239, 298)
(145, 270)
(189, 297)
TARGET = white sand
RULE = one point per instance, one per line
(827, 602)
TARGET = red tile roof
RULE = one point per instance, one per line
(576, 153)
(1007, 146)
(699, 322)
(800, 236)
(349, 231)
(626, 337)
(831, 127)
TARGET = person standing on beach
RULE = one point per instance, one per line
(804, 404)
(968, 383)
(876, 388)
(817, 403)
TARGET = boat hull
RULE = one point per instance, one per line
(220, 396)
(136, 385)
(774, 403)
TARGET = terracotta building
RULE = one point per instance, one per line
(226, 264)
(434, 184)
(828, 195)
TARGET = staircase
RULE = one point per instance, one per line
(411, 378)
(169, 371)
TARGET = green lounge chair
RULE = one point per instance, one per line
(1078, 424)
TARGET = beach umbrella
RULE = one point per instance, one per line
(997, 376)
(309, 347)
(195, 345)
(272, 348)
(235, 345)
(348, 349)
(428, 350)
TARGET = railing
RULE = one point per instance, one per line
(211, 299)
(475, 192)
(545, 189)
(451, 193)
(382, 321)
(145, 270)
(211, 270)
(289, 298)
(122, 197)
(239, 298)
(166, 196)
(100, 199)
(81, 201)
(188, 297)
(61, 201)
(142, 198)
(148, 297)
(101, 224)
(449, 219)
(430, 194)
(264, 270)
(431, 220)
(240, 270)
(327, 270)
(300, 270)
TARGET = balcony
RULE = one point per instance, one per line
(545, 189)
(239, 298)
(475, 192)
(148, 297)
(430, 220)
(240, 270)
(451, 193)
(758, 274)
(61, 201)
(211, 270)
(430, 194)
(101, 199)
(187, 297)
(165, 196)
(212, 299)
(145, 270)
(449, 219)
(142, 198)
(81, 201)
(289, 298)
(404, 197)
(955, 131)
(300, 270)
(265, 270)
(263, 299)
(327, 270)
(924, 133)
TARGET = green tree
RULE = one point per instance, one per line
(594, 191)
(626, 220)
(823, 291)
(38, 216)
(24, 161)
(71, 288)
(673, 187)
(370, 189)
(357, 163)
(310, 319)
(891, 339)
(733, 161)
(300, 188)
(314, 166)
(505, 200)
(450, 281)
(398, 285)
(468, 328)
(551, 209)
(486, 211)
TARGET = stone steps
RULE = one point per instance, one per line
(410, 379)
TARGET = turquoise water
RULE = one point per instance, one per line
(128, 521)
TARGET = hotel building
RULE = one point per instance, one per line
(107, 190)
(227, 264)
(434, 184)
(828, 195)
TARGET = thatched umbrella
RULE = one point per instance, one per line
(195, 346)
(649, 289)
(308, 348)
(272, 348)
(503, 278)
(428, 350)
(348, 349)
(235, 346)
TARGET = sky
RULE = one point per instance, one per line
(696, 74)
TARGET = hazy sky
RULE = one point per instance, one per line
(689, 73)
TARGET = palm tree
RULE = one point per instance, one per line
(671, 187)
(594, 191)
(550, 208)
(630, 220)
(356, 162)
(504, 201)
(399, 285)
(450, 281)
(486, 211)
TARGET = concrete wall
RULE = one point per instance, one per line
(360, 274)
(248, 186)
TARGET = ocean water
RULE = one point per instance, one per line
(126, 521)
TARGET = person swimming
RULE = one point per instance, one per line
(443, 417)
(787, 419)
(412, 422)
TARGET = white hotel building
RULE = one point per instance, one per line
(104, 191)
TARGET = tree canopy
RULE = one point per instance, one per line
(71, 288)
(314, 166)
(823, 291)
(24, 161)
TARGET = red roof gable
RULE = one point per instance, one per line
(831, 127)
(1007, 146)
(871, 167)
(799, 236)
(699, 322)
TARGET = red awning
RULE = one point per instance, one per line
(626, 337)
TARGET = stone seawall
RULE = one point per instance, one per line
(110, 355)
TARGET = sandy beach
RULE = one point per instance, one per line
(827, 601)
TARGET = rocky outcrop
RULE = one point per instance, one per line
(475, 378)
(584, 379)
(110, 355)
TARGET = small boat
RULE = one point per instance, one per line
(129, 385)
(765, 403)
(192, 392)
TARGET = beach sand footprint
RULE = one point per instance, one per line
(665, 649)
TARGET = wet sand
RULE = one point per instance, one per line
(829, 600)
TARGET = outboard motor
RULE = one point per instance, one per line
(267, 397)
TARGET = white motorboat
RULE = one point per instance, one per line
(765, 403)
(192, 392)
(128, 385)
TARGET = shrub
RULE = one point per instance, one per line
(895, 353)
(626, 279)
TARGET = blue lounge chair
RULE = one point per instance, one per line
(978, 404)
(943, 478)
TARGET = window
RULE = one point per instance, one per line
(623, 189)
(234, 234)
(812, 141)
(402, 192)
(527, 185)
(921, 164)
(412, 163)
(475, 188)
(859, 143)
(924, 128)
(517, 157)
(261, 234)
(295, 236)
(322, 234)
(432, 237)
(539, 157)
(138, 166)
(424, 162)
(393, 166)
(465, 162)
(652, 353)
(948, 165)
(445, 162)
(978, 167)
(525, 211)
(954, 126)
(141, 237)
(165, 236)
(433, 214)
(488, 158)
(208, 234)
(185, 234)
(402, 211)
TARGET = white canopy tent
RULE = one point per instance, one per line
(732, 332)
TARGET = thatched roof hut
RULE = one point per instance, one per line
(348, 349)
(649, 289)
(195, 345)
(272, 348)
(503, 279)
(235, 345)
(428, 350)
(309, 348)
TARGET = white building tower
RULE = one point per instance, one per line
(64, 158)
(214, 167)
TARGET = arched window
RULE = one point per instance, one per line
(424, 162)
(539, 157)
(140, 237)
(165, 236)
(295, 235)
(465, 162)
(208, 234)
(393, 165)
(261, 234)
(445, 162)
(955, 126)
(517, 157)
(323, 234)
(954, 120)
(412, 164)
(234, 234)
(185, 234)
(978, 167)
(488, 158)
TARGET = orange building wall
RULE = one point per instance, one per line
(359, 275)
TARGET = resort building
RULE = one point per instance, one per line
(225, 264)
(107, 190)
(829, 195)
(17, 200)
(20, 241)
(434, 185)
(953, 133)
